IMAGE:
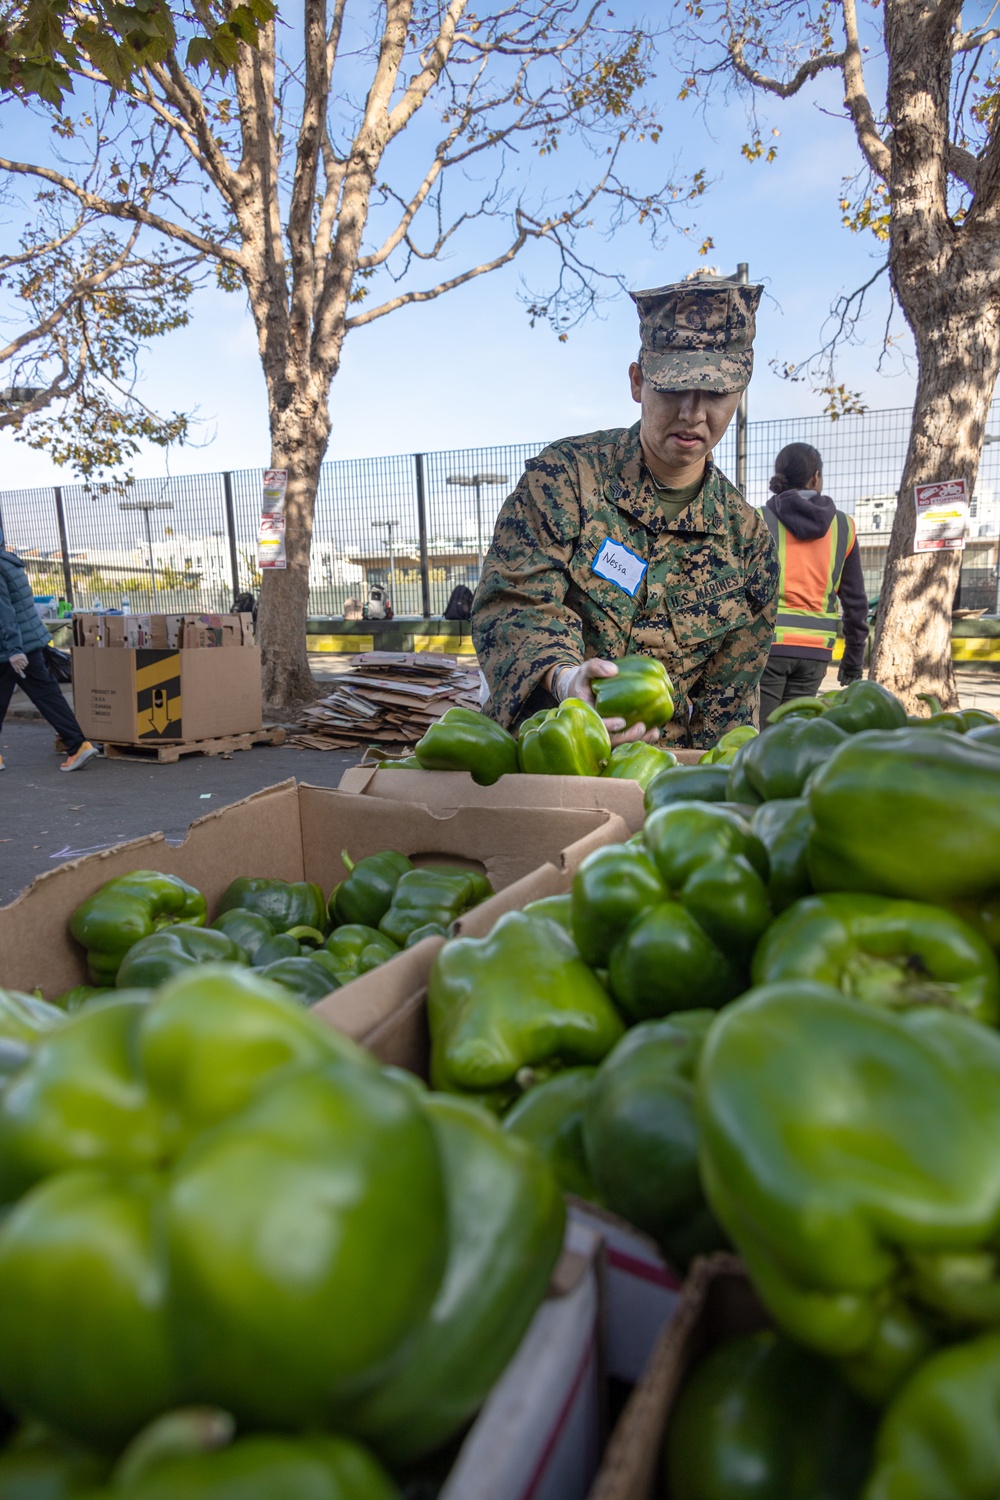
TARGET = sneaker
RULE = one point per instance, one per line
(1, 763)
(86, 752)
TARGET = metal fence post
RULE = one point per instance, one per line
(64, 544)
(743, 277)
(234, 559)
(425, 575)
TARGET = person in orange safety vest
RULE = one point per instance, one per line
(820, 566)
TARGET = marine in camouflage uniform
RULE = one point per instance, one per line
(706, 599)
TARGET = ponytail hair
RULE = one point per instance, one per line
(794, 466)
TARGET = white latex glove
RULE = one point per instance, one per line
(19, 662)
(574, 682)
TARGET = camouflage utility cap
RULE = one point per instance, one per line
(697, 335)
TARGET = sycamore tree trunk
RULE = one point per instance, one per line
(945, 274)
(959, 360)
(300, 433)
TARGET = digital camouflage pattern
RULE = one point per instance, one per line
(706, 606)
(698, 335)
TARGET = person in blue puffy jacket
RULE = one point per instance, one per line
(23, 639)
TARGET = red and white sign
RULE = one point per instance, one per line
(271, 535)
(942, 516)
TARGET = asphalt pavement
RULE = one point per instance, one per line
(47, 816)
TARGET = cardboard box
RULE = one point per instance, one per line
(163, 632)
(291, 832)
(641, 1291)
(129, 696)
(448, 789)
(539, 1434)
(717, 1303)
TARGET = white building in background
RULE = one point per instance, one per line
(875, 513)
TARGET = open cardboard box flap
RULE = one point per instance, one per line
(717, 1303)
(449, 789)
(287, 832)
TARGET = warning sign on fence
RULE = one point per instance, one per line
(942, 516)
(271, 536)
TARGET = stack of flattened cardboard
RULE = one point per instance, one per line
(388, 698)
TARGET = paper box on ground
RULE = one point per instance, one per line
(539, 1434)
(444, 789)
(133, 695)
(641, 1291)
(288, 832)
(717, 1303)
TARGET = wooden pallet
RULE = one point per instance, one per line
(166, 754)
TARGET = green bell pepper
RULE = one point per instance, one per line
(247, 929)
(210, 1183)
(71, 1000)
(883, 952)
(366, 895)
(640, 693)
(308, 979)
(692, 950)
(432, 896)
(37, 1466)
(505, 1231)
(761, 1419)
(850, 1154)
(865, 705)
(784, 828)
(554, 909)
(779, 762)
(958, 721)
(26, 1018)
(153, 960)
(803, 708)
(665, 961)
(357, 949)
(508, 1007)
(316, 1467)
(988, 734)
(281, 945)
(612, 887)
(638, 762)
(284, 903)
(698, 783)
(681, 839)
(550, 1116)
(641, 1138)
(465, 740)
(724, 752)
(569, 740)
(401, 763)
(428, 929)
(738, 787)
(128, 908)
(940, 1437)
(908, 814)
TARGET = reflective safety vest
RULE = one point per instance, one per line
(810, 576)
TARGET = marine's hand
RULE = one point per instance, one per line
(574, 682)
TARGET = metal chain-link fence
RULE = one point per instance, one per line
(418, 524)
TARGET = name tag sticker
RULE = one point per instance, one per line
(619, 564)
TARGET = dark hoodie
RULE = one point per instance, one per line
(808, 517)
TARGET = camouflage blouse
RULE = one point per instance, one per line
(699, 592)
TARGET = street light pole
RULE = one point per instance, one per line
(476, 482)
(392, 559)
(146, 506)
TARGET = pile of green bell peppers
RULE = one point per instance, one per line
(674, 921)
(234, 1207)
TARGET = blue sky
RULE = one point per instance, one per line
(467, 369)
